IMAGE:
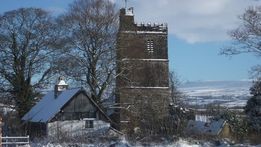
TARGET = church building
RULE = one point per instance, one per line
(142, 68)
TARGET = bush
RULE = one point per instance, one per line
(237, 124)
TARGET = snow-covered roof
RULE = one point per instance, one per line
(199, 127)
(49, 106)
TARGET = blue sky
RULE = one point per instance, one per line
(197, 31)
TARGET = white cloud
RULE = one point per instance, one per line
(193, 20)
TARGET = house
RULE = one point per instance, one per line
(65, 111)
(214, 128)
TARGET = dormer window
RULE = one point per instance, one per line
(150, 46)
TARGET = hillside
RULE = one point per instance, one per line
(224, 93)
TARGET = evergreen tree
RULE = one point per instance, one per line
(253, 107)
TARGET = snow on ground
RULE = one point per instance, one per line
(224, 93)
(217, 88)
(124, 143)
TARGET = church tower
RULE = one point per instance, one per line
(142, 68)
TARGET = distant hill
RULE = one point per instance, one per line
(225, 93)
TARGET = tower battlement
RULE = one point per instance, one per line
(127, 23)
(152, 27)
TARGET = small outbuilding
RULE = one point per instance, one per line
(214, 128)
(66, 112)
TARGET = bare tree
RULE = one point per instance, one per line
(90, 28)
(175, 94)
(26, 39)
(247, 37)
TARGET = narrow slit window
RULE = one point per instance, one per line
(150, 46)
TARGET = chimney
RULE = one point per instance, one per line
(60, 86)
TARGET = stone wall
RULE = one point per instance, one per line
(133, 45)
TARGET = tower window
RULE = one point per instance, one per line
(150, 46)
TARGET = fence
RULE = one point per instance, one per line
(21, 140)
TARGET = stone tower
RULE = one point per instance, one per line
(143, 81)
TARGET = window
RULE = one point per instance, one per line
(150, 46)
(88, 123)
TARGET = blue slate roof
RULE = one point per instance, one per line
(49, 106)
(212, 128)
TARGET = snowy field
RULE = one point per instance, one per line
(225, 93)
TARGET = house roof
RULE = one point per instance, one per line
(203, 128)
(49, 106)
